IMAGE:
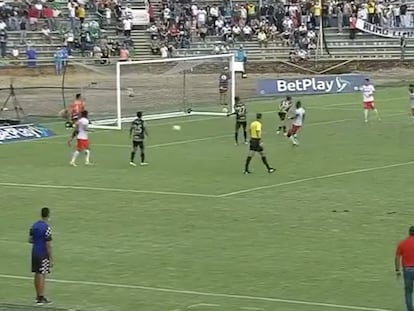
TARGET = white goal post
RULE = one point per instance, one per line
(169, 88)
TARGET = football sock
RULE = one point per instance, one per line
(377, 113)
(236, 137)
(366, 114)
(245, 135)
(292, 139)
(87, 155)
(132, 156)
(74, 156)
(284, 129)
(279, 128)
(246, 167)
(264, 160)
(142, 157)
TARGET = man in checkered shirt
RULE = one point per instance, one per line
(40, 237)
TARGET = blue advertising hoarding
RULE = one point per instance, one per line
(14, 133)
(332, 84)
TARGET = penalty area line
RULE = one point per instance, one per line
(205, 294)
(195, 140)
(303, 180)
(102, 189)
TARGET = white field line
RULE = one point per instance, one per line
(205, 294)
(181, 142)
(303, 180)
(198, 305)
(102, 189)
(200, 195)
(197, 120)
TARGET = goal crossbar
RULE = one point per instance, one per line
(187, 71)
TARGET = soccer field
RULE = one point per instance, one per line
(191, 232)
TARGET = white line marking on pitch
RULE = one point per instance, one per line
(198, 293)
(303, 180)
(251, 308)
(198, 305)
(181, 142)
(69, 187)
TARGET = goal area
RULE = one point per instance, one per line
(172, 87)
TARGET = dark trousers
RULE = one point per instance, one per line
(408, 287)
(3, 46)
(352, 33)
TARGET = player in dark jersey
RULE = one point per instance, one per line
(284, 108)
(224, 85)
(40, 237)
(137, 133)
(241, 119)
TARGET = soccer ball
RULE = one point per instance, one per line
(225, 110)
(176, 127)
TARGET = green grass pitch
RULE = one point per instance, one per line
(189, 232)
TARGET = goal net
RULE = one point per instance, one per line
(175, 87)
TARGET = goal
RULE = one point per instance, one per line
(168, 88)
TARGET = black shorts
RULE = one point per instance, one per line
(240, 124)
(255, 145)
(40, 264)
(282, 115)
(223, 89)
(139, 143)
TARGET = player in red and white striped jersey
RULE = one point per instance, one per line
(368, 91)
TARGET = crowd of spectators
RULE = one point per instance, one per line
(181, 24)
(292, 23)
(65, 24)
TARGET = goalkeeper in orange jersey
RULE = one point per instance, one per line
(75, 110)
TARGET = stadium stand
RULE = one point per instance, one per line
(198, 28)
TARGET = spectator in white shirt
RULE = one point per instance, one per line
(302, 30)
(194, 10)
(243, 13)
(247, 32)
(108, 14)
(127, 22)
(287, 23)
(262, 38)
(72, 15)
(219, 25)
(164, 51)
(274, 32)
(46, 33)
(166, 14)
(39, 7)
(15, 53)
(127, 12)
(216, 49)
(3, 25)
(226, 30)
(302, 54)
(224, 49)
(214, 12)
(311, 34)
(201, 17)
(236, 31)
